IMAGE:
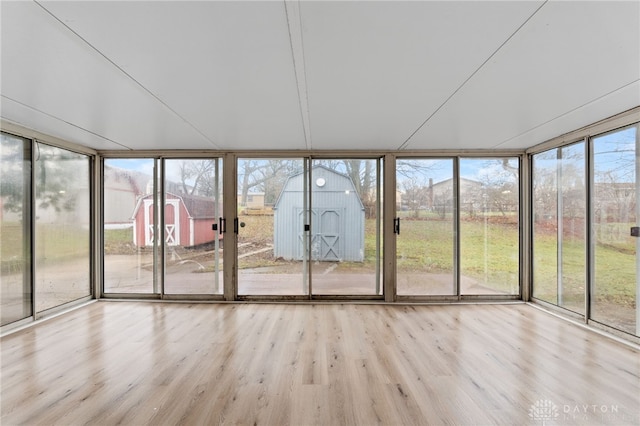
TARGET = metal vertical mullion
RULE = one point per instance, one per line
(456, 226)
(389, 237)
(100, 204)
(559, 223)
(162, 243)
(589, 240)
(230, 210)
(637, 222)
(31, 197)
(525, 227)
(158, 220)
(378, 223)
(216, 236)
(94, 233)
(306, 207)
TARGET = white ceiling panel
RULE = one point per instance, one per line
(377, 70)
(568, 56)
(607, 106)
(225, 66)
(48, 68)
(24, 116)
(321, 75)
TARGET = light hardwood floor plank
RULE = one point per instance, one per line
(138, 363)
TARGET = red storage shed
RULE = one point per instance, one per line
(188, 220)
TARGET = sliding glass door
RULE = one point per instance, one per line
(425, 227)
(590, 267)
(15, 218)
(615, 221)
(489, 200)
(130, 193)
(308, 227)
(559, 228)
(345, 232)
(273, 208)
(181, 256)
(45, 198)
(192, 238)
(62, 233)
(457, 234)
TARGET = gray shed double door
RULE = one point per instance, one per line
(327, 228)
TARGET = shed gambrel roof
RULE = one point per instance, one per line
(319, 166)
(197, 207)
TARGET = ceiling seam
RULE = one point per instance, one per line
(406, 142)
(567, 113)
(304, 69)
(163, 103)
(62, 120)
(299, 68)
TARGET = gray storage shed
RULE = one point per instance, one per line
(337, 224)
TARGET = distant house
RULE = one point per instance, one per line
(188, 220)
(122, 189)
(337, 218)
(255, 200)
(614, 201)
(438, 197)
(441, 195)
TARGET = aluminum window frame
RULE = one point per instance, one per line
(601, 128)
(33, 137)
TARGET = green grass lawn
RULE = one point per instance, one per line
(54, 243)
(545, 269)
(615, 262)
(119, 241)
(488, 251)
(423, 246)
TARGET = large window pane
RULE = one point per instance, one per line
(559, 237)
(62, 221)
(545, 230)
(345, 227)
(426, 210)
(193, 250)
(15, 183)
(572, 228)
(272, 254)
(615, 211)
(489, 223)
(129, 225)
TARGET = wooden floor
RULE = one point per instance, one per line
(167, 363)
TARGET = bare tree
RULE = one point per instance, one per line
(198, 177)
(56, 170)
(266, 175)
(500, 185)
(415, 196)
(12, 184)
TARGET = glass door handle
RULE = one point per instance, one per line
(235, 225)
